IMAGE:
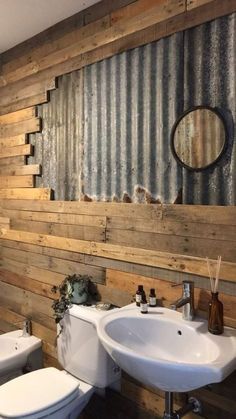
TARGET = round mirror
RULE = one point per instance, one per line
(198, 138)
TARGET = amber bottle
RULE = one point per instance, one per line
(138, 295)
(215, 315)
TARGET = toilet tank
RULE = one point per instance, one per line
(80, 351)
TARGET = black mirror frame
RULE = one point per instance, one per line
(217, 112)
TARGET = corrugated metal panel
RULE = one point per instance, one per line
(57, 149)
(129, 103)
(210, 79)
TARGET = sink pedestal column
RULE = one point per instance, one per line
(193, 405)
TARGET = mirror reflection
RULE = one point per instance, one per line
(198, 138)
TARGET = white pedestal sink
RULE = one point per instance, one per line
(162, 350)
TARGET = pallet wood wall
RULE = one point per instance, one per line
(16, 177)
(29, 72)
(120, 246)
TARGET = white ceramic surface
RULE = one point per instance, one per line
(15, 349)
(162, 350)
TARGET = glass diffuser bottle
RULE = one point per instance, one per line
(215, 315)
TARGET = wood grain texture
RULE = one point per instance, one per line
(16, 181)
(21, 115)
(30, 169)
(25, 193)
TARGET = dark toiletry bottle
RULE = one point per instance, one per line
(138, 295)
(143, 304)
(215, 315)
(152, 298)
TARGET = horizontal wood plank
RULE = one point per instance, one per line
(172, 243)
(24, 193)
(25, 150)
(30, 169)
(22, 127)
(17, 116)
(60, 218)
(12, 141)
(16, 181)
(177, 262)
(12, 161)
(24, 103)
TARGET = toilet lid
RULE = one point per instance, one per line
(36, 391)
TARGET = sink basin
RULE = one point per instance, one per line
(15, 349)
(162, 350)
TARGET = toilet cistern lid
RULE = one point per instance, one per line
(35, 391)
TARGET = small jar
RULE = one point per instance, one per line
(152, 298)
(143, 304)
(138, 295)
(215, 315)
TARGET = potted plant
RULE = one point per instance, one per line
(76, 289)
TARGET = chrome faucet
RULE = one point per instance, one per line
(186, 301)
(26, 331)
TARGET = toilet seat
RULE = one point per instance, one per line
(40, 392)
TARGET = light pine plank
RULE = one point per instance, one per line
(12, 141)
(16, 182)
(24, 103)
(22, 127)
(58, 218)
(31, 169)
(17, 116)
(25, 193)
(25, 150)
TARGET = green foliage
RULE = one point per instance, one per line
(83, 286)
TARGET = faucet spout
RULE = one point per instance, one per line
(26, 328)
(180, 303)
(186, 301)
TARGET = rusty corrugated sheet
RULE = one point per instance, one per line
(128, 105)
(210, 79)
(58, 148)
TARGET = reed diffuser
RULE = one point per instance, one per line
(215, 309)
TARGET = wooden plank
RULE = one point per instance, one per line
(61, 230)
(57, 253)
(26, 303)
(21, 115)
(25, 150)
(12, 141)
(49, 48)
(192, 4)
(155, 14)
(16, 182)
(24, 193)
(24, 103)
(175, 228)
(184, 245)
(26, 282)
(58, 218)
(171, 261)
(48, 263)
(11, 96)
(30, 169)
(88, 208)
(4, 220)
(26, 127)
(12, 161)
(200, 214)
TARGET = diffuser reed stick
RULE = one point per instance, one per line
(217, 273)
(214, 281)
(210, 275)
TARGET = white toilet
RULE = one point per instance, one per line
(51, 393)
